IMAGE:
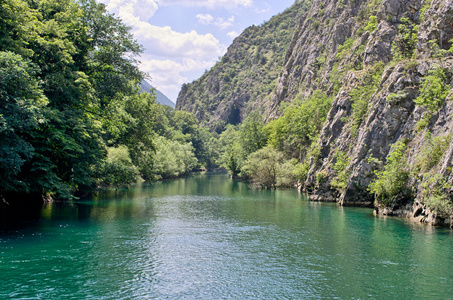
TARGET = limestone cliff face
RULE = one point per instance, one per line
(318, 55)
(376, 58)
(317, 60)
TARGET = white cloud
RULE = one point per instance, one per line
(169, 55)
(167, 74)
(142, 9)
(207, 19)
(232, 34)
(262, 10)
(227, 4)
(224, 24)
(170, 66)
(163, 41)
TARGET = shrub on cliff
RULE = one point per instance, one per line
(300, 124)
(390, 186)
(435, 194)
(434, 90)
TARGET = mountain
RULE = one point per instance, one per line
(145, 87)
(388, 65)
(245, 77)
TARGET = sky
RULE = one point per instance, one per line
(183, 38)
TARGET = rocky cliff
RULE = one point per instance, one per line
(409, 101)
(389, 65)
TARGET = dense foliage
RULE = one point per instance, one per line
(275, 154)
(300, 124)
(71, 116)
(390, 185)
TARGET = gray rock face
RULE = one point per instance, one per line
(340, 21)
(385, 122)
(335, 43)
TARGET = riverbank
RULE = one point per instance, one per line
(206, 236)
(414, 210)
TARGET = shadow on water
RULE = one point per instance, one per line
(209, 237)
(19, 215)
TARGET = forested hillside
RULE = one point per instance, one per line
(71, 115)
(362, 104)
(245, 77)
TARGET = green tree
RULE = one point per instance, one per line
(390, 185)
(406, 40)
(252, 136)
(18, 26)
(83, 59)
(232, 154)
(340, 181)
(22, 111)
(268, 169)
(300, 124)
(434, 90)
(118, 170)
(173, 158)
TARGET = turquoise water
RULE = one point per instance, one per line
(207, 237)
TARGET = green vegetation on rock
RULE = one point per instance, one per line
(434, 90)
(355, 78)
(390, 186)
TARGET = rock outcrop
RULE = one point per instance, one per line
(391, 113)
(389, 65)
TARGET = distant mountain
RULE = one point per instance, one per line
(145, 87)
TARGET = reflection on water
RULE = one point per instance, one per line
(210, 237)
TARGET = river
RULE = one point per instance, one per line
(208, 237)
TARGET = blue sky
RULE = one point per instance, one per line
(183, 38)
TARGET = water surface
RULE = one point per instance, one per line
(207, 237)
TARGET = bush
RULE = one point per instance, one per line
(395, 98)
(268, 169)
(390, 185)
(118, 171)
(286, 176)
(405, 40)
(321, 177)
(173, 158)
(301, 171)
(300, 124)
(252, 136)
(435, 194)
(345, 49)
(433, 91)
(372, 24)
(340, 181)
(432, 152)
(232, 155)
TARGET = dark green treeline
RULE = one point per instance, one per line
(71, 116)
